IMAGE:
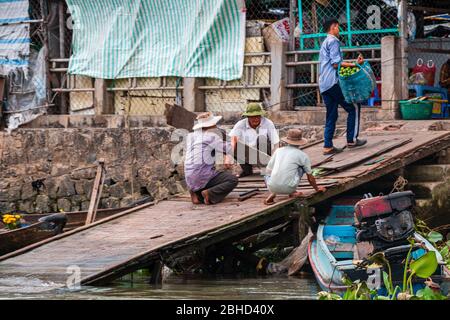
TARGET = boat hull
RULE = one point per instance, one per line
(37, 231)
(334, 252)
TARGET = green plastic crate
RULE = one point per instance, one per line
(416, 110)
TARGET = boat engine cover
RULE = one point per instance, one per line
(368, 209)
(395, 227)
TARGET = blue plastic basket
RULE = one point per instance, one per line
(358, 87)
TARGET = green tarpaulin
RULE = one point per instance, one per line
(152, 38)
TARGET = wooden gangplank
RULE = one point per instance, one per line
(110, 248)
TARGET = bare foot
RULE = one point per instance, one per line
(296, 194)
(270, 199)
(206, 197)
(194, 198)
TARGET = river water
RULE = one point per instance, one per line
(174, 287)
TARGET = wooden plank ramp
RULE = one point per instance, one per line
(105, 250)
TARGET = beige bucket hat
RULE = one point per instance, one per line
(205, 120)
(295, 137)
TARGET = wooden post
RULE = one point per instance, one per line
(296, 231)
(292, 20)
(291, 71)
(391, 89)
(194, 98)
(62, 29)
(157, 273)
(103, 101)
(278, 92)
(304, 220)
(45, 45)
(96, 192)
(403, 23)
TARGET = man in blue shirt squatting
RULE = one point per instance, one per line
(329, 57)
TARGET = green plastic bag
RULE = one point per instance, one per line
(359, 86)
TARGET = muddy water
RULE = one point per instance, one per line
(174, 287)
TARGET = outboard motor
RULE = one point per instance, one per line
(385, 220)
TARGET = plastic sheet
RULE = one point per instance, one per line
(115, 39)
(14, 36)
(27, 98)
(359, 86)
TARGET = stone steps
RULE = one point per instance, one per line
(444, 157)
(424, 190)
(433, 211)
(428, 173)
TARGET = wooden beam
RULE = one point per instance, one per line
(179, 117)
(157, 273)
(96, 192)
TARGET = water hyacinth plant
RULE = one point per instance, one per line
(423, 267)
(437, 239)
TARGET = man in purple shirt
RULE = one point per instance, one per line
(206, 185)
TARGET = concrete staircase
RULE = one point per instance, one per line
(431, 184)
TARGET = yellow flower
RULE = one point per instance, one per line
(17, 216)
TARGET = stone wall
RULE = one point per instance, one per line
(138, 164)
(65, 159)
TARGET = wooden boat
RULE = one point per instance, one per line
(39, 227)
(336, 252)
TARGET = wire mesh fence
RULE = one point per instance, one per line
(369, 21)
(362, 23)
(36, 29)
(254, 85)
(145, 96)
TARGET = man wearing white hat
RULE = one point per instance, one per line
(206, 185)
(287, 166)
